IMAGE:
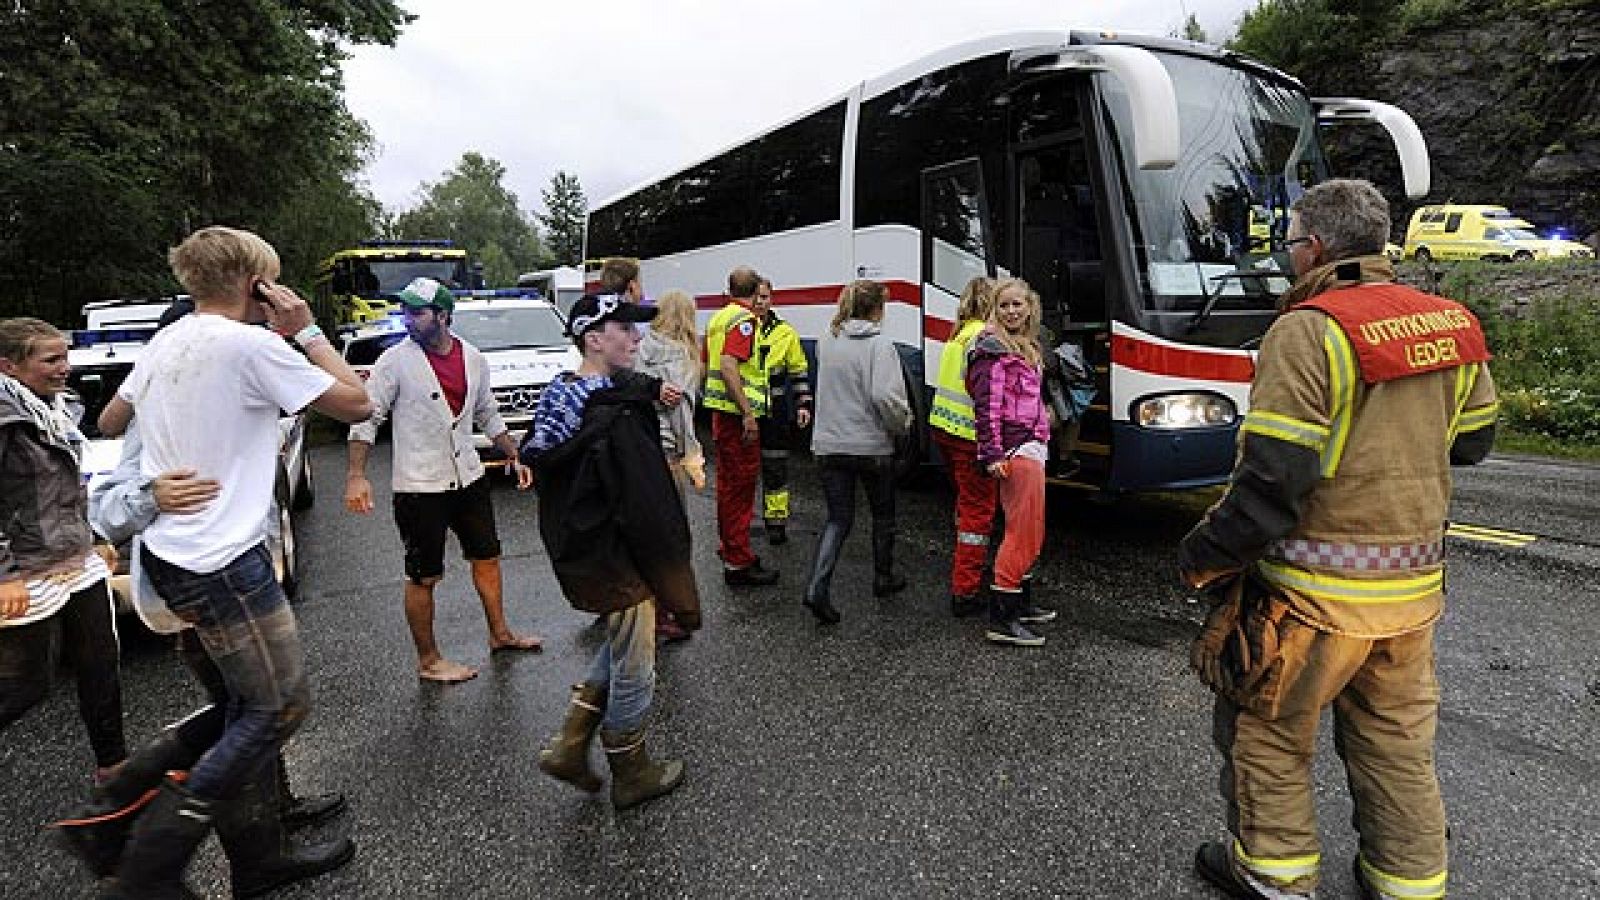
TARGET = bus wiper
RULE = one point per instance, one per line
(1210, 305)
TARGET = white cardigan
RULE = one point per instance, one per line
(433, 449)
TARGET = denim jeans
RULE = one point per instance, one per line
(86, 630)
(245, 624)
(626, 664)
(840, 473)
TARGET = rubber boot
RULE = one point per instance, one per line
(567, 756)
(884, 580)
(1027, 611)
(635, 779)
(1004, 628)
(166, 835)
(303, 812)
(828, 546)
(97, 831)
(259, 855)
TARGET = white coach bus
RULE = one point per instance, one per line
(1141, 185)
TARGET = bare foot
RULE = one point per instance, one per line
(446, 672)
(511, 641)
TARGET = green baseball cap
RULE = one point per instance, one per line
(427, 292)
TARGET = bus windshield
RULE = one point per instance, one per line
(1249, 149)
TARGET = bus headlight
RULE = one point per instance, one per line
(1170, 411)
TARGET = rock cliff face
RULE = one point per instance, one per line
(1509, 105)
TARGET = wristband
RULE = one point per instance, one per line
(308, 334)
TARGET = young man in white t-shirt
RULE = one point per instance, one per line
(208, 391)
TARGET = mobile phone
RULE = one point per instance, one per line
(259, 291)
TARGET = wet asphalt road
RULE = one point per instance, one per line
(894, 755)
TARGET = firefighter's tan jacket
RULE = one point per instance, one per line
(1342, 485)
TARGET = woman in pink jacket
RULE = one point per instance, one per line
(1013, 431)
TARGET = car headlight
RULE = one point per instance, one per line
(1197, 410)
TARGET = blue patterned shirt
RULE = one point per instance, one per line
(560, 411)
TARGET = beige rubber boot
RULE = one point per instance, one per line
(567, 756)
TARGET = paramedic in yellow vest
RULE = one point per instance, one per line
(1324, 559)
(788, 376)
(736, 395)
(954, 432)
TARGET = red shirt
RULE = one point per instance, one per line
(451, 370)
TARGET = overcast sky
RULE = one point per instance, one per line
(621, 91)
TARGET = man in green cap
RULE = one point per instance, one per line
(436, 388)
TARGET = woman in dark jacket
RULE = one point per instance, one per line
(618, 540)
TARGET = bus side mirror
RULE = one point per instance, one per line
(1152, 101)
(1415, 169)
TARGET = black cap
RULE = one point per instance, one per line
(593, 310)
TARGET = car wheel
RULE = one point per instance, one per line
(305, 493)
(285, 546)
(1522, 256)
(1423, 255)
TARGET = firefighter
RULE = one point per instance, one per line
(953, 430)
(736, 395)
(783, 360)
(1325, 559)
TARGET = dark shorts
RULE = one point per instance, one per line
(424, 518)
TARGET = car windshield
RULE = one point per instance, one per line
(1249, 150)
(1521, 234)
(364, 351)
(505, 328)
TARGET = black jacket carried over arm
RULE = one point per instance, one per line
(609, 512)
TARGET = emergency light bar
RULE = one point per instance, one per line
(429, 242)
(88, 338)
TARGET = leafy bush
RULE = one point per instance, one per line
(1547, 358)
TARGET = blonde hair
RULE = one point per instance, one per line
(210, 263)
(862, 299)
(19, 336)
(675, 323)
(1025, 341)
(977, 300)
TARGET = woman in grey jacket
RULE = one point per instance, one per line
(861, 408)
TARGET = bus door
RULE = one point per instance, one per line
(1059, 254)
(956, 248)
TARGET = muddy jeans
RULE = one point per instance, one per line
(247, 628)
(1385, 709)
(86, 629)
(626, 664)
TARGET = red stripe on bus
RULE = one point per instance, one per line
(1159, 359)
(935, 329)
(820, 295)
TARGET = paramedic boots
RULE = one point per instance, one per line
(634, 777)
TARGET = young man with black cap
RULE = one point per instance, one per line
(436, 387)
(618, 539)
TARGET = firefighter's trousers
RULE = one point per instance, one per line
(775, 443)
(976, 499)
(1385, 710)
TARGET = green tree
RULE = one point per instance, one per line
(564, 209)
(1192, 31)
(472, 206)
(125, 124)
(1329, 44)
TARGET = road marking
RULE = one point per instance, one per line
(1490, 535)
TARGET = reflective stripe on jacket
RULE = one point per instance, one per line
(750, 371)
(952, 405)
(784, 361)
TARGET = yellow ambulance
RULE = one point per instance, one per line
(1457, 232)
